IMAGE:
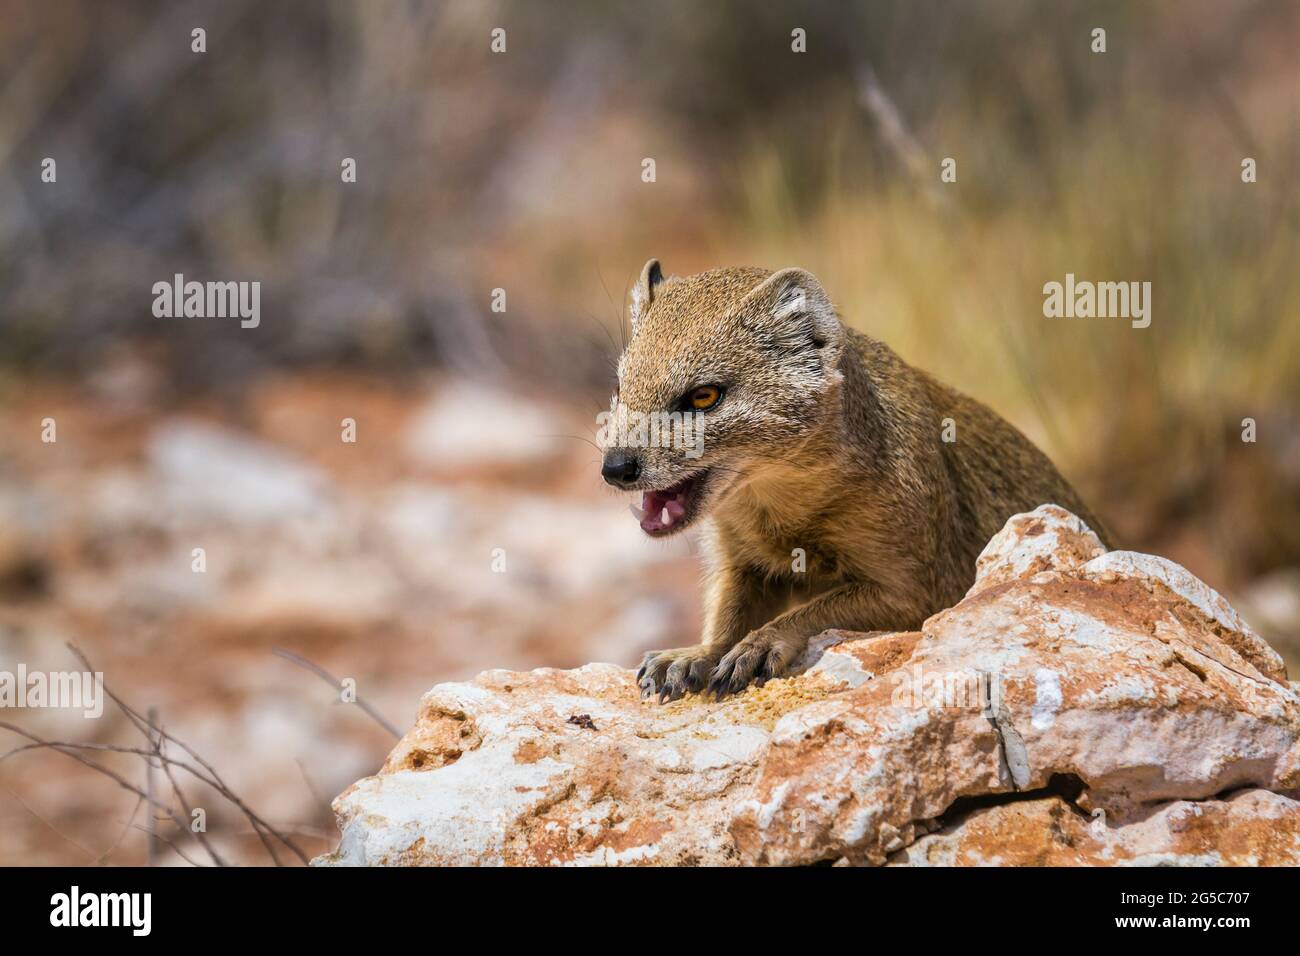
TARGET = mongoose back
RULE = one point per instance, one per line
(827, 494)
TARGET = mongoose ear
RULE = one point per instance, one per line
(796, 311)
(643, 293)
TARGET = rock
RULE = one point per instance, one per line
(25, 533)
(1273, 604)
(1043, 540)
(503, 431)
(217, 474)
(1070, 686)
(1249, 828)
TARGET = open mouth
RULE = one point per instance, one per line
(669, 510)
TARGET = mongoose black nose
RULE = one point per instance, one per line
(620, 468)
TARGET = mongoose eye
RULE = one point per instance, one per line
(704, 397)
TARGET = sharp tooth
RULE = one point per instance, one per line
(665, 517)
(637, 513)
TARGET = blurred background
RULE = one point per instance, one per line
(522, 171)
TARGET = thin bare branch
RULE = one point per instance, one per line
(333, 681)
(178, 851)
(143, 725)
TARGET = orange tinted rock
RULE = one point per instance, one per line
(1119, 675)
(1250, 828)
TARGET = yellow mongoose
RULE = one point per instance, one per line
(829, 496)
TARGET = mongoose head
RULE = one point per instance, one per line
(726, 373)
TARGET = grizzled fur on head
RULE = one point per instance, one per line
(771, 341)
(825, 447)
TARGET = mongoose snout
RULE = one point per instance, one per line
(815, 461)
(620, 469)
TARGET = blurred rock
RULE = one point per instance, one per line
(452, 538)
(470, 423)
(1111, 684)
(1274, 600)
(1273, 603)
(213, 473)
(25, 567)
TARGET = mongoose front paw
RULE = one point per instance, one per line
(763, 654)
(674, 673)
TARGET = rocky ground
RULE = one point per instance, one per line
(373, 559)
(1078, 707)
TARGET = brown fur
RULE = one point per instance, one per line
(825, 443)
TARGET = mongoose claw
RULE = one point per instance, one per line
(675, 673)
(761, 656)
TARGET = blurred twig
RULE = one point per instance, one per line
(212, 778)
(153, 836)
(151, 843)
(158, 738)
(70, 749)
(896, 135)
(55, 830)
(333, 681)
